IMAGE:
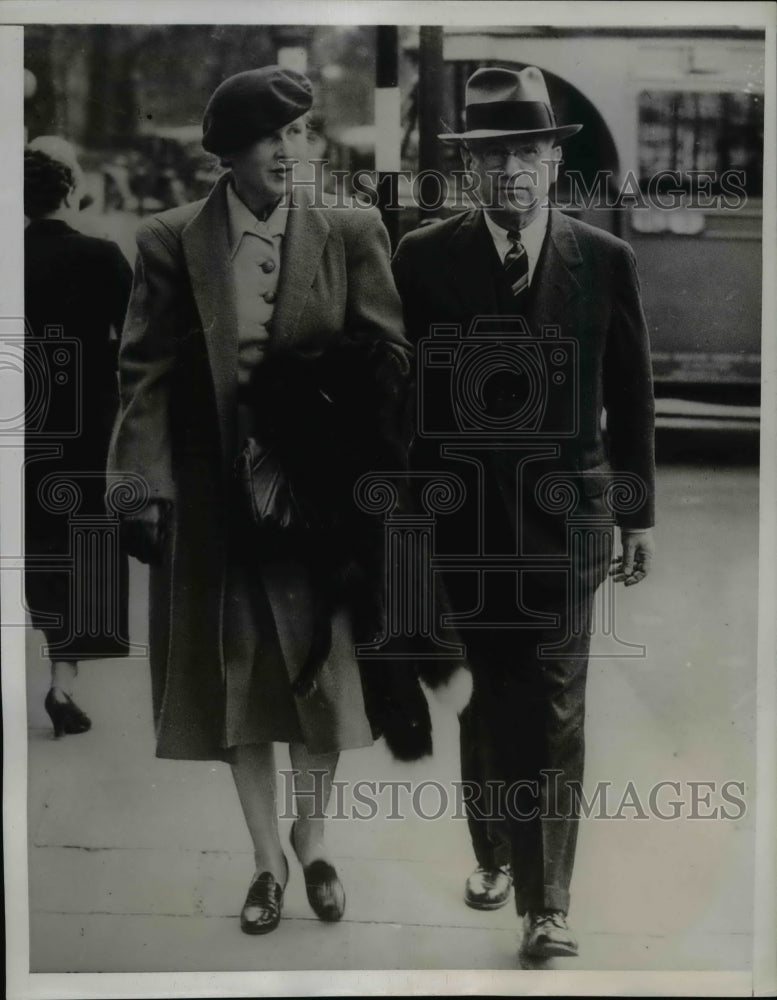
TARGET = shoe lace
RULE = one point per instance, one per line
(550, 917)
(506, 869)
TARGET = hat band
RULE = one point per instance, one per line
(518, 116)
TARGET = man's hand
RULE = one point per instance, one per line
(633, 565)
(145, 532)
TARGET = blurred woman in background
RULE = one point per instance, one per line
(76, 290)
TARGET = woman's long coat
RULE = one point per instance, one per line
(177, 429)
(76, 290)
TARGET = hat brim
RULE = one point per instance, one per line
(560, 132)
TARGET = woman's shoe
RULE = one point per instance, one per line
(325, 890)
(261, 911)
(66, 716)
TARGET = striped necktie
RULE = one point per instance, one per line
(516, 264)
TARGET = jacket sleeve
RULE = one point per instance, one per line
(117, 279)
(402, 268)
(373, 309)
(628, 394)
(141, 444)
(374, 312)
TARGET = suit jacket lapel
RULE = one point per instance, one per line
(471, 272)
(307, 231)
(206, 250)
(555, 283)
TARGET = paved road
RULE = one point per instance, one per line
(138, 864)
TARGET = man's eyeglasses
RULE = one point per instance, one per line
(497, 153)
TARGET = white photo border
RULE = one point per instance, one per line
(22, 984)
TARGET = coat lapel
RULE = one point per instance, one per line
(307, 231)
(471, 274)
(206, 249)
(554, 282)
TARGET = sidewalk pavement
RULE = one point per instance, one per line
(141, 865)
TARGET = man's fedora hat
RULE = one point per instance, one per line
(253, 104)
(501, 102)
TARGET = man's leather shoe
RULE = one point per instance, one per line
(546, 934)
(488, 888)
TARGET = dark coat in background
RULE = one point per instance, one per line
(76, 290)
(178, 430)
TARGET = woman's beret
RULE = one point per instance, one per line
(253, 104)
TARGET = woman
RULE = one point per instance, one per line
(76, 293)
(221, 286)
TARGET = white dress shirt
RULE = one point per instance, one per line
(532, 238)
(255, 258)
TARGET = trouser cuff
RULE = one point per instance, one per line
(493, 856)
(553, 897)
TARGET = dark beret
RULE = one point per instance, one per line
(250, 105)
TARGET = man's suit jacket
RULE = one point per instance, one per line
(585, 285)
(178, 424)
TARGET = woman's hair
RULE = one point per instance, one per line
(225, 160)
(46, 183)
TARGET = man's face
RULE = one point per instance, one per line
(263, 171)
(514, 175)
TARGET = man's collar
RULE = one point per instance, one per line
(242, 220)
(531, 235)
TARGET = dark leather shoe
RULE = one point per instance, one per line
(546, 934)
(488, 888)
(325, 891)
(261, 911)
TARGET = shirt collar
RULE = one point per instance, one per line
(242, 220)
(532, 236)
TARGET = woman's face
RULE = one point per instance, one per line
(264, 170)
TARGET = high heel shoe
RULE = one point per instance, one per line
(66, 716)
(325, 891)
(261, 911)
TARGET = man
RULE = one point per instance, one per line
(576, 344)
